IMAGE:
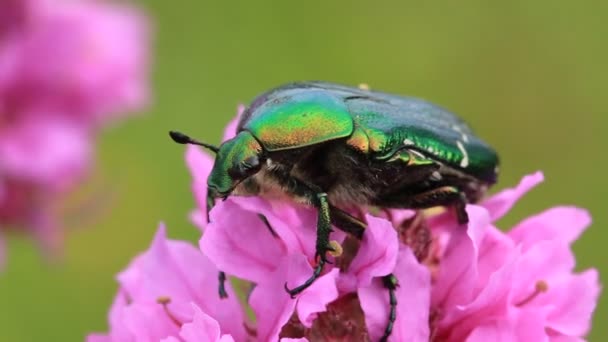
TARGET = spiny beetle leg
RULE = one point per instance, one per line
(317, 272)
(355, 227)
(461, 211)
(346, 222)
(322, 245)
(391, 283)
(222, 285)
(267, 224)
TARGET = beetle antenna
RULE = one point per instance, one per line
(181, 138)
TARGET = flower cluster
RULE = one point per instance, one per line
(66, 68)
(456, 282)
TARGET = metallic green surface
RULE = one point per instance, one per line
(308, 113)
(398, 121)
(232, 158)
(529, 76)
(297, 118)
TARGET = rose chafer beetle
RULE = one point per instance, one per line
(333, 146)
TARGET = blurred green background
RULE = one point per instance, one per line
(529, 76)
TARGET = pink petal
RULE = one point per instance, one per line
(181, 272)
(203, 282)
(61, 151)
(95, 59)
(234, 238)
(498, 330)
(118, 329)
(316, 298)
(413, 301)
(170, 339)
(499, 204)
(458, 272)
(230, 130)
(200, 165)
(272, 304)
(199, 219)
(495, 249)
(154, 274)
(518, 325)
(148, 322)
(376, 257)
(545, 261)
(563, 223)
(530, 326)
(295, 225)
(491, 303)
(202, 328)
(572, 303)
(303, 339)
(562, 338)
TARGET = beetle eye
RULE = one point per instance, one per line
(250, 164)
(246, 168)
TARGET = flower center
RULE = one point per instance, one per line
(343, 321)
(164, 301)
(540, 287)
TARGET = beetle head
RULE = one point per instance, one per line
(237, 159)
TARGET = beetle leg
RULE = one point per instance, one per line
(461, 212)
(352, 225)
(346, 222)
(221, 276)
(391, 283)
(267, 224)
(445, 195)
(322, 245)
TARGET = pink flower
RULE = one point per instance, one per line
(455, 282)
(241, 244)
(515, 286)
(13, 15)
(471, 283)
(94, 61)
(169, 293)
(94, 69)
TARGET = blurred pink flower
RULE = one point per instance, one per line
(169, 293)
(94, 57)
(66, 68)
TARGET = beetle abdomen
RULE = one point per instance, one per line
(426, 128)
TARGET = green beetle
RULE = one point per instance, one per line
(333, 146)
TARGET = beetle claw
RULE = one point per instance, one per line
(316, 273)
(292, 292)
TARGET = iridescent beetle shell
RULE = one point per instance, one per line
(307, 113)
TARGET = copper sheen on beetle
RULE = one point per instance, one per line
(332, 146)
